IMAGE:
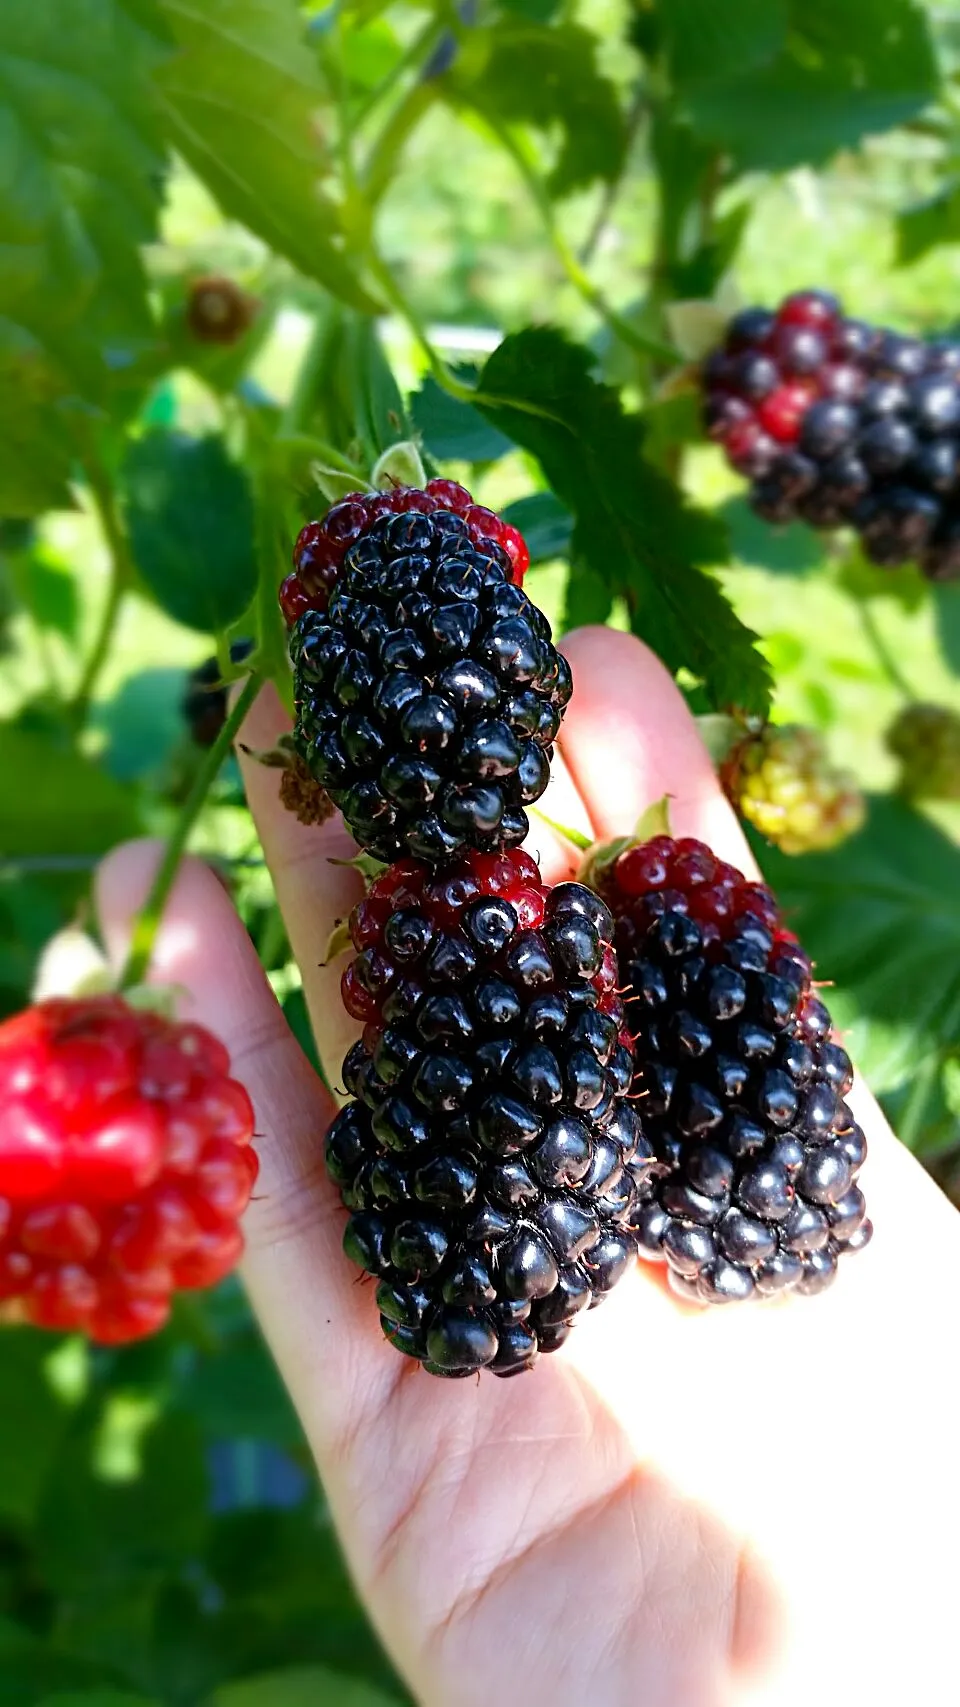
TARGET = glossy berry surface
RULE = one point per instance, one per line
(322, 545)
(782, 782)
(125, 1165)
(428, 696)
(739, 1084)
(489, 1156)
(874, 416)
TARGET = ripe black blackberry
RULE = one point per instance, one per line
(740, 1085)
(843, 424)
(490, 1158)
(428, 694)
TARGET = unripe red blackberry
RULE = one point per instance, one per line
(125, 1165)
(428, 694)
(740, 1085)
(843, 424)
(926, 740)
(489, 1158)
(322, 545)
(782, 782)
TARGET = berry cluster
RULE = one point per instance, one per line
(741, 1088)
(428, 693)
(843, 424)
(322, 546)
(490, 1160)
(125, 1165)
(782, 782)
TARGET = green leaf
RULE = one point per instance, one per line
(141, 723)
(301, 1686)
(850, 68)
(545, 524)
(707, 43)
(190, 516)
(589, 598)
(791, 550)
(881, 915)
(547, 76)
(632, 527)
(79, 192)
(97, 1697)
(33, 1423)
(453, 431)
(54, 801)
(929, 223)
(379, 416)
(241, 99)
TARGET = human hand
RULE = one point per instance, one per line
(679, 1508)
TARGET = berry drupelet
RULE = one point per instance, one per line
(321, 546)
(740, 1085)
(843, 424)
(428, 693)
(125, 1165)
(489, 1158)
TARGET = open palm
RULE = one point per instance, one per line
(679, 1509)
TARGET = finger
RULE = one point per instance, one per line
(302, 1289)
(314, 893)
(628, 739)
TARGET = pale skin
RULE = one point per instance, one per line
(679, 1509)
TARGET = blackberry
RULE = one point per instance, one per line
(204, 703)
(740, 1085)
(872, 419)
(428, 695)
(322, 545)
(782, 782)
(926, 740)
(489, 1157)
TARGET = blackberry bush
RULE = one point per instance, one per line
(490, 1158)
(843, 424)
(740, 1084)
(428, 693)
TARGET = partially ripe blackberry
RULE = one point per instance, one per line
(428, 695)
(926, 740)
(322, 545)
(125, 1165)
(490, 1156)
(740, 1085)
(842, 424)
(782, 782)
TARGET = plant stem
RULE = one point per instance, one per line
(420, 51)
(649, 348)
(881, 651)
(611, 190)
(408, 313)
(148, 919)
(121, 576)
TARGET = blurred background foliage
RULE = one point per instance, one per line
(243, 239)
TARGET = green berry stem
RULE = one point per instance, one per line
(121, 578)
(649, 348)
(882, 653)
(148, 919)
